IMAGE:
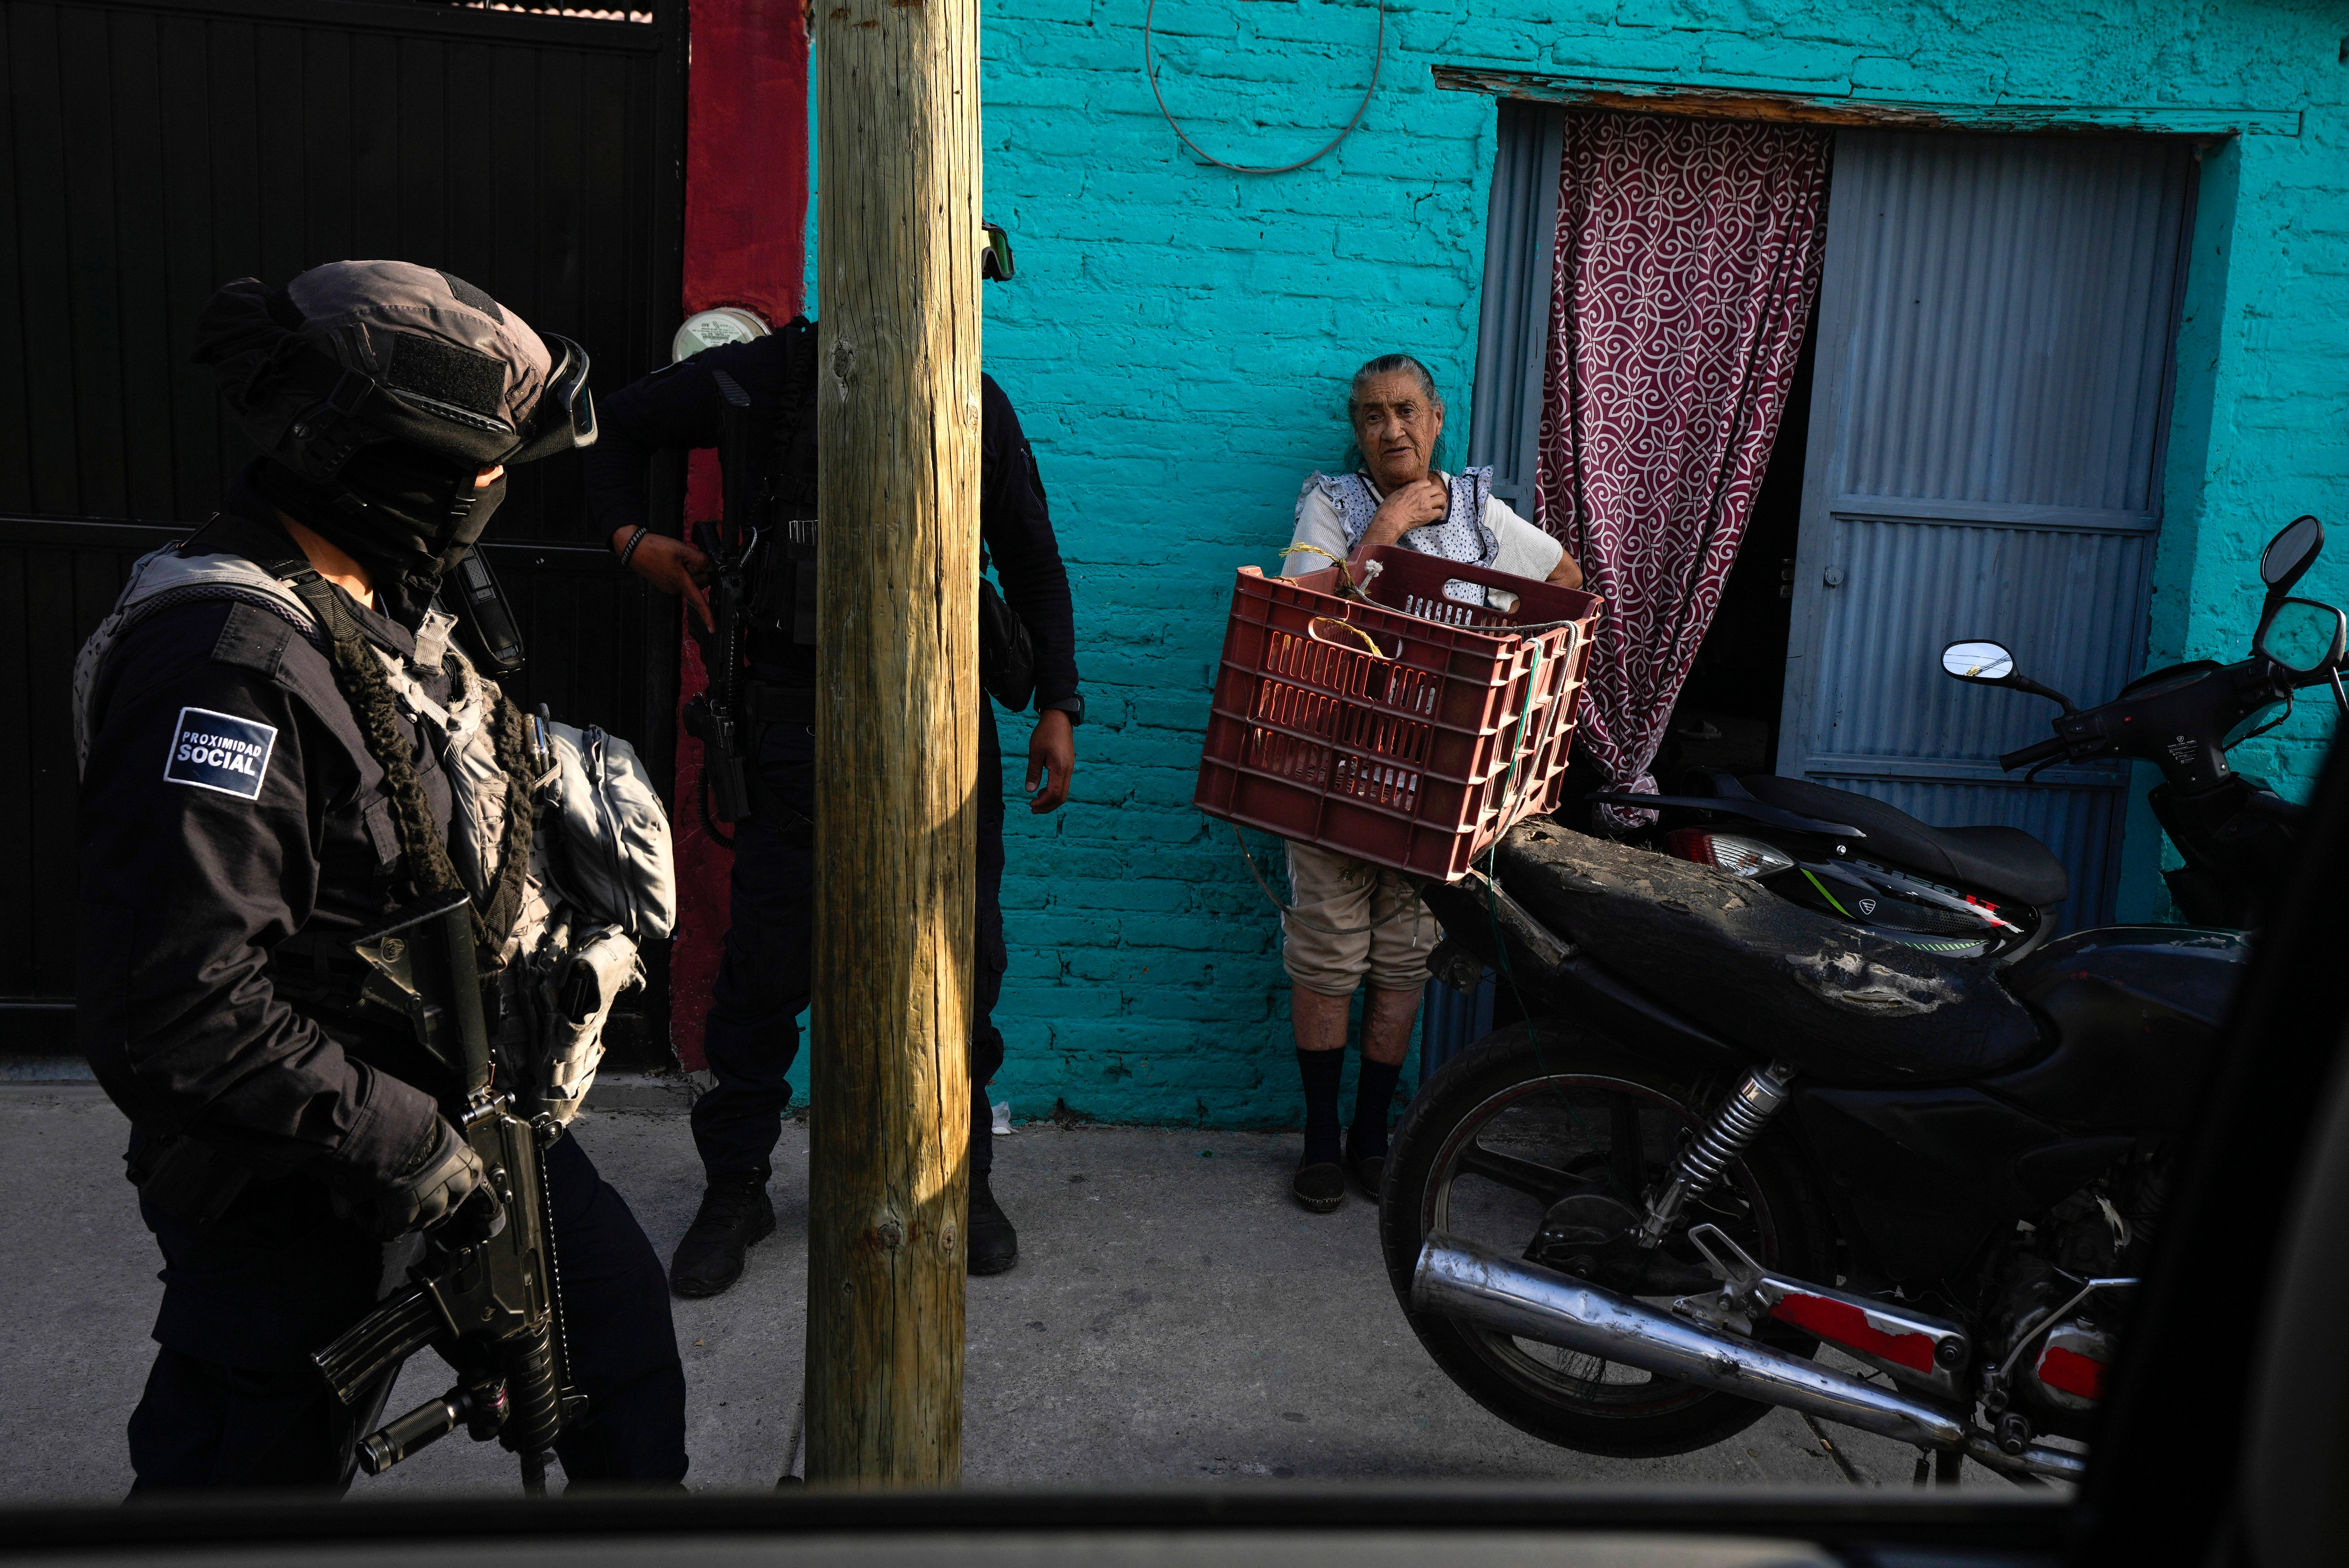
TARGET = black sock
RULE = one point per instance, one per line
(1374, 1097)
(1321, 1071)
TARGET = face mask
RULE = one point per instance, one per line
(405, 516)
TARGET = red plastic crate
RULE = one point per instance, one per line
(1403, 758)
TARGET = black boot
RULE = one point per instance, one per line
(990, 1246)
(735, 1216)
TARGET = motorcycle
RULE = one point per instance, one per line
(1737, 1126)
(1987, 891)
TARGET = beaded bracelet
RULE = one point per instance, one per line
(634, 540)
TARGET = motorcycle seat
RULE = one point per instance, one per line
(2004, 862)
(1831, 998)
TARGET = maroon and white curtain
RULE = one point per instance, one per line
(1688, 257)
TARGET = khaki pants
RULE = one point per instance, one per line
(1335, 891)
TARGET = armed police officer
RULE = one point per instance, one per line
(280, 750)
(752, 1032)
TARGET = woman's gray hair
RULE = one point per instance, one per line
(1389, 365)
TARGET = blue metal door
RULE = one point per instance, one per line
(1996, 318)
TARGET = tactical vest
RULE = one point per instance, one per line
(767, 454)
(166, 579)
(600, 876)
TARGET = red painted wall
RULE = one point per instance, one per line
(746, 187)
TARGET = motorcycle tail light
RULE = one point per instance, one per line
(1740, 857)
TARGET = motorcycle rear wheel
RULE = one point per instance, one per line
(1494, 1138)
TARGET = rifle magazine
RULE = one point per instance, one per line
(377, 1344)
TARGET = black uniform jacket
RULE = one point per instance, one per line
(681, 407)
(186, 888)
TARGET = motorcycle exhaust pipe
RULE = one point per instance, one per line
(1458, 1278)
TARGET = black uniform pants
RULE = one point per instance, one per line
(232, 1401)
(752, 1034)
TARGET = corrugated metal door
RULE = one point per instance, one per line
(1504, 431)
(151, 151)
(1995, 329)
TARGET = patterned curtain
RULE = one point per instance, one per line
(1688, 257)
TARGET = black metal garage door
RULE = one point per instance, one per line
(156, 148)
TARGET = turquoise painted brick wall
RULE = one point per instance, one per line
(1178, 342)
(2260, 423)
(1179, 335)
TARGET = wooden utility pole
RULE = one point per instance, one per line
(897, 736)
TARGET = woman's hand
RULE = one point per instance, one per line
(1052, 754)
(671, 565)
(1414, 505)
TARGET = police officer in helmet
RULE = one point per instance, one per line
(266, 773)
(752, 1034)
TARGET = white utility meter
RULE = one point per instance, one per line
(708, 328)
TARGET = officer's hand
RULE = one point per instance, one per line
(1051, 753)
(437, 1179)
(671, 565)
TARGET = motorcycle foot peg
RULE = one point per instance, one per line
(419, 1429)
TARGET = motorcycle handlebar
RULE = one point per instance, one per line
(2053, 746)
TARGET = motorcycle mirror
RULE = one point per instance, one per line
(1989, 664)
(2304, 637)
(2291, 552)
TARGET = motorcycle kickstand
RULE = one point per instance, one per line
(1938, 1467)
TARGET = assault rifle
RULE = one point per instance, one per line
(762, 578)
(487, 1292)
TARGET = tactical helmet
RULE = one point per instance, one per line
(377, 390)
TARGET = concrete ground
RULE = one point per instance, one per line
(1175, 1318)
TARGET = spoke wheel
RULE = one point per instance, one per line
(1518, 1123)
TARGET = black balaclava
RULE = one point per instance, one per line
(422, 515)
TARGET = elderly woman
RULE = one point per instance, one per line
(1350, 921)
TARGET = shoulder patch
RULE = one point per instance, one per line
(252, 638)
(220, 751)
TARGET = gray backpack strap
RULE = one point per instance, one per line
(218, 561)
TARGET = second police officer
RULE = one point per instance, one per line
(752, 1032)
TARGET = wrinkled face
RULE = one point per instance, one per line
(1396, 427)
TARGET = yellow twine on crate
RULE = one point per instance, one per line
(1346, 589)
(1350, 629)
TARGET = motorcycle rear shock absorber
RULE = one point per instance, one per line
(1707, 1157)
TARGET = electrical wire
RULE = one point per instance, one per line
(1150, 68)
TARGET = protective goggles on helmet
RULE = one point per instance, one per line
(565, 418)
